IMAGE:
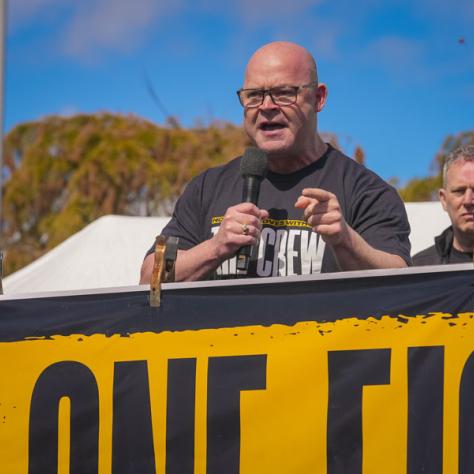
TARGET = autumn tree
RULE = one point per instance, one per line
(359, 155)
(64, 172)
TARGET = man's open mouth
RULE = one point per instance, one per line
(268, 127)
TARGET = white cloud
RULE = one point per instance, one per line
(258, 13)
(24, 11)
(85, 28)
(112, 25)
(278, 20)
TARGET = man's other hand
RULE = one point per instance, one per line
(323, 213)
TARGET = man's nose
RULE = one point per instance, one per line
(267, 102)
(469, 197)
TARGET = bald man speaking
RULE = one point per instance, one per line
(318, 210)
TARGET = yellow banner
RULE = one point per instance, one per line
(284, 415)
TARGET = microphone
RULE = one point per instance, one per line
(253, 168)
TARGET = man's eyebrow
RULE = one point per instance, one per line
(266, 88)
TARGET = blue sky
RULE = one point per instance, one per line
(400, 73)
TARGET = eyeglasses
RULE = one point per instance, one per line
(283, 95)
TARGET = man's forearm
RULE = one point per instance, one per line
(354, 253)
(191, 265)
(196, 263)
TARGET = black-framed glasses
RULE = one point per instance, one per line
(281, 95)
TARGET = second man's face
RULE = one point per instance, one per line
(457, 197)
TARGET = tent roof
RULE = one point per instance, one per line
(109, 251)
(106, 253)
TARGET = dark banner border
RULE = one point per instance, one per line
(194, 307)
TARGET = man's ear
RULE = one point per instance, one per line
(321, 96)
(442, 198)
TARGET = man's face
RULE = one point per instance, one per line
(457, 197)
(282, 130)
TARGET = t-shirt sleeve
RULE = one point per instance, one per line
(185, 222)
(379, 216)
(187, 216)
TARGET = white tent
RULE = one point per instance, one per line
(108, 252)
(427, 219)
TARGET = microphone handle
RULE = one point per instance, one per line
(250, 192)
(251, 189)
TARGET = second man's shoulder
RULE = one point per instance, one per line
(428, 256)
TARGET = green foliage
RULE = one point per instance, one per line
(64, 172)
(421, 189)
(426, 189)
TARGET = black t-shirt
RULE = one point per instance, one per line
(456, 256)
(288, 246)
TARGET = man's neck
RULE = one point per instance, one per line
(290, 164)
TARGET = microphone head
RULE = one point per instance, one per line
(254, 163)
